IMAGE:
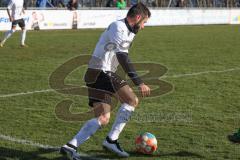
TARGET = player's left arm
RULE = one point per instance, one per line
(128, 67)
(9, 7)
(117, 37)
(23, 10)
(9, 15)
(24, 7)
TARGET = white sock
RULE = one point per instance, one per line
(7, 35)
(23, 37)
(88, 129)
(123, 115)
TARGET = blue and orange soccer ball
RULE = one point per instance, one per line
(146, 143)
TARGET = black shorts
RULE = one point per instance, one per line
(102, 85)
(19, 22)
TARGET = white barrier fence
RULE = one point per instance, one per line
(65, 19)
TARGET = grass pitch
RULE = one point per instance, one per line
(190, 122)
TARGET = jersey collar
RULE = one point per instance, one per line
(128, 26)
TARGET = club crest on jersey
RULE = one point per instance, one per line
(111, 46)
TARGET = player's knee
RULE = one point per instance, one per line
(137, 101)
(133, 101)
(104, 119)
(13, 30)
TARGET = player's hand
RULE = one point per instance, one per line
(11, 19)
(144, 89)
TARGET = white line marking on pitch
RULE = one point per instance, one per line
(33, 144)
(27, 142)
(26, 93)
(199, 73)
(170, 76)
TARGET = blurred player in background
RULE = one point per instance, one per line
(235, 137)
(103, 83)
(15, 12)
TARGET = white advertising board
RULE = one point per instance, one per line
(65, 19)
(188, 17)
(235, 16)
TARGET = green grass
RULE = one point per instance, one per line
(191, 122)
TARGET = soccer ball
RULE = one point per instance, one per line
(146, 143)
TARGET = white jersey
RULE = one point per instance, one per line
(116, 38)
(16, 7)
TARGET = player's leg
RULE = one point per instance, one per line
(9, 33)
(100, 100)
(102, 116)
(24, 31)
(128, 103)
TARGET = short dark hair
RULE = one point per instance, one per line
(139, 9)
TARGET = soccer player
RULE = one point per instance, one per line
(103, 83)
(15, 12)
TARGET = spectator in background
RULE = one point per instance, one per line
(193, 3)
(58, 3)
(110, 3)
(180, 3)
(72, 4)
(237, 3)
(121, 4)
(3, 3)
(152, 3)
(41, 3)
(27, 3)
(133, 2)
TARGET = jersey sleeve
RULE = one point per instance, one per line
(117, 38)
(10, 4)
(128, 67)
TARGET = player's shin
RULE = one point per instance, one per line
(23, 36)
(88, 129)
(123, 116)
(7, 35)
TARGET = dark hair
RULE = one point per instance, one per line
(139, 9)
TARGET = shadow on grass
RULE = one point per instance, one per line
(108, 155)
(93, 154)
(177, 154)
(27, 155)
(38, 154)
